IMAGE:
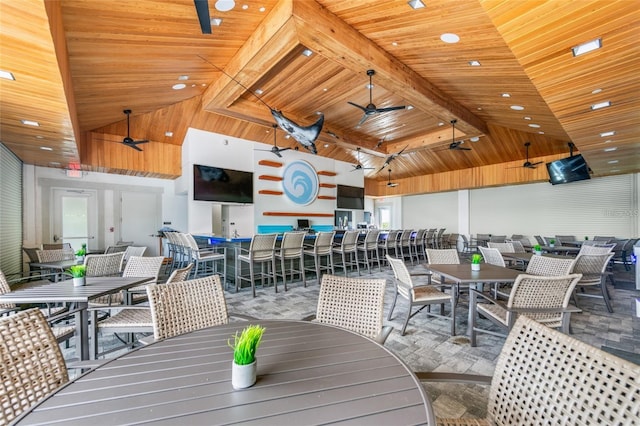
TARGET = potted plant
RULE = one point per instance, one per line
(82, 252)
(537, 249)
(78, 272)
(245, 364)
(552, 242)
(475, 261)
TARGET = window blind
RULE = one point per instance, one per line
(10, 212)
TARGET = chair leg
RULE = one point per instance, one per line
(393, 305)
(406, 320)
(472, 318)
(605, 294)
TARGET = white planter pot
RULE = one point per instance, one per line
(244, 376)
(79, 282)
(539, 253)
(475, 266)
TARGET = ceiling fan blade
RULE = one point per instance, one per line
(395, 108)
(140, 141)
(462, 149)
(358, 106)
(133, 146)
(202, 9)
(363, 119)
(392, 184)
(539, 162)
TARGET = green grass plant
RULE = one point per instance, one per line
(77, 271)
(537, 247)
(476, 258)
(245, 344)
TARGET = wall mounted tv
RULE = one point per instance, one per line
(567, 170)
(222, 185)
(350, 197)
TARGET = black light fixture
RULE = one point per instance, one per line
(389, 183)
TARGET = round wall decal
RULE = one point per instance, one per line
(300, 182)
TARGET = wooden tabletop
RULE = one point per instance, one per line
(308, 373)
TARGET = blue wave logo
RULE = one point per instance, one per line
(300, 182)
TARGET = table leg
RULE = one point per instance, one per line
(82, 332)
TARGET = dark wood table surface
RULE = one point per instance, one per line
(64, 292)
(308, 373)
(458, 274)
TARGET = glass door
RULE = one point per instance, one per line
(74, 218)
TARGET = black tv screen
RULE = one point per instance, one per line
(567, 170)
(350, 197)
(222, 185)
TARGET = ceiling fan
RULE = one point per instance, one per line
(275, 148)
(371, 109)
(128, 141)
(389, 183)
(359, 165)
(456, 145)
(527, 164)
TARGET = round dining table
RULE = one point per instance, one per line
(308, 373)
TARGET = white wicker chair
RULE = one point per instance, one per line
(441, 257)
(137, 266)
(55, 255)
(262, 252)
(356, 304)
(292, 250)
(103, 265)
(546, 377)
(131, 251)
(593, 268)
(31, 364)
(422, 295)
(186, 306)
(492, 256)
(503, 247)
(322, 248)
(545, 299)
(549, 266)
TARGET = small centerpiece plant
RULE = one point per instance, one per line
(82, 251)
(78, 272)
(552, 242)
(537, 249)
(244, 345)
(476, 258)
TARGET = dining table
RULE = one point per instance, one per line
(307, 373)
(57, 268)
(462, 274)
(64, 292)
(568, 250)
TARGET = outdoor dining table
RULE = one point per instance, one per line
(64, 292)
(459, 274)
(308, 373)
(561, 249)
(57, 267)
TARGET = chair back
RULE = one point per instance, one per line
(356, 304)
(292, 244)
(603, 239)
(497, 238)
(591, 265)
(55, 255)
(405, 237)
(186, 306)
(139, 266)
(549, 266)
(443, 256)
(133, 251)
(115, 249)
(560, 239)
(324, 242)
(262, 247)
(518, 247)
(102, 265)
(417, 239)
(596, 248)
(181, 274)
(404, 283)
(540, 240)
(32, 253)
(536, 291)
(349, 241)
(502, 247)
(31, 364)
(527, 367)
(57, 246)
(5, 288)
(371, 239)
(492, 256)
(392, 238)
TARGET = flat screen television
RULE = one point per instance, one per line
(222, 185)
(303, 224)
(350, 197)
(567, 170)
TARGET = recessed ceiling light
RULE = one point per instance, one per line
(612, 161)
(325, 89)
(216, 22)
(326, 145)
(596, 91)
(416, 4)
(39, 137)
(225, 5)
(409, 107)
(474, 139)
(262, 9)
(178, 86)
(6, 75)
(441, 124)
(168, 134)
(517, 107)
(395, 43)
(245, 6)
(535, 126)
(607, 134)
(526, 117)
(46, 148)
(193, 85)
(450, 38)
(183, 77)
(474, 63)
(287, 136)
(259, 91)
(30, 123)
(613, 148)
(318, 112)
(600, 105)
(307, 52)
(607, 141)
(505, 95)
(587, 47)
(541, 133)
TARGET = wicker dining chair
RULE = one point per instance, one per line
(31, 363)
(55, 255)
(356, 304)
(593, 268)
(503, 246)
(138, 267)
(591, 387)
(131, 251)
(442, 256)
(187, 306)
(103, 265)
(544, 299)
(549, 266)
(422, 295)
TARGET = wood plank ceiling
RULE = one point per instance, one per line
(79, 63)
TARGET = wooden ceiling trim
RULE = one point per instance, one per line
(325, 33)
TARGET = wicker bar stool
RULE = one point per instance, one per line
(369, 249)
(262, 252)
(292, 250)
(322, 248)
(348, 251)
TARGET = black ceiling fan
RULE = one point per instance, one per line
(359, 166)
(527, 164)
(389, 183)
(202, 9)
(371, 109)
(275, 148)
(128, 141)
(456, 145)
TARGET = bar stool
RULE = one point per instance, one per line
(291, 249)
(210, 260)
(388, 244)
(369, 248)
(348, 251)
(322, 247)
(404, 245)
(261, 251)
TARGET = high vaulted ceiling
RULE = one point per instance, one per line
(79, 63)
